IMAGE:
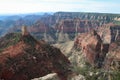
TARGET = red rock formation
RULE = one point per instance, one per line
(76, 25)
(92, 47)
(96, 45)
(67, 29)
(30, 59)
(38, 27)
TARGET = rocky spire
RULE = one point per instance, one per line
(24, 30)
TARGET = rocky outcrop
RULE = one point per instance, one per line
(93, 48)
(52, 76)
(28, 59)
(100, 47)
(24, 31)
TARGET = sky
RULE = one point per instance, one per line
(32, 6)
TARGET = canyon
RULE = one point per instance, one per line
(61, 46)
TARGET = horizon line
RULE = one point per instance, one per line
(52, 12)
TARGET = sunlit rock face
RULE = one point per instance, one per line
(93, 48)
(109, 33)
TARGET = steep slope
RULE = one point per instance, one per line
(9, 39)
(91, 45)
(100, 47)
(28, 59)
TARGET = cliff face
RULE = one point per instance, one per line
(76, 25)
(102, 18)
(66, 24)
(109, 33)
(100, 47)
(28, 59)
(92, 47)
(70, 28)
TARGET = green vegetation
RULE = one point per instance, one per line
(97, 74)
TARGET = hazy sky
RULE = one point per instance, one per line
(31, 6)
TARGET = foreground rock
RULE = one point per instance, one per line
(53, 76)
(28, 59)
